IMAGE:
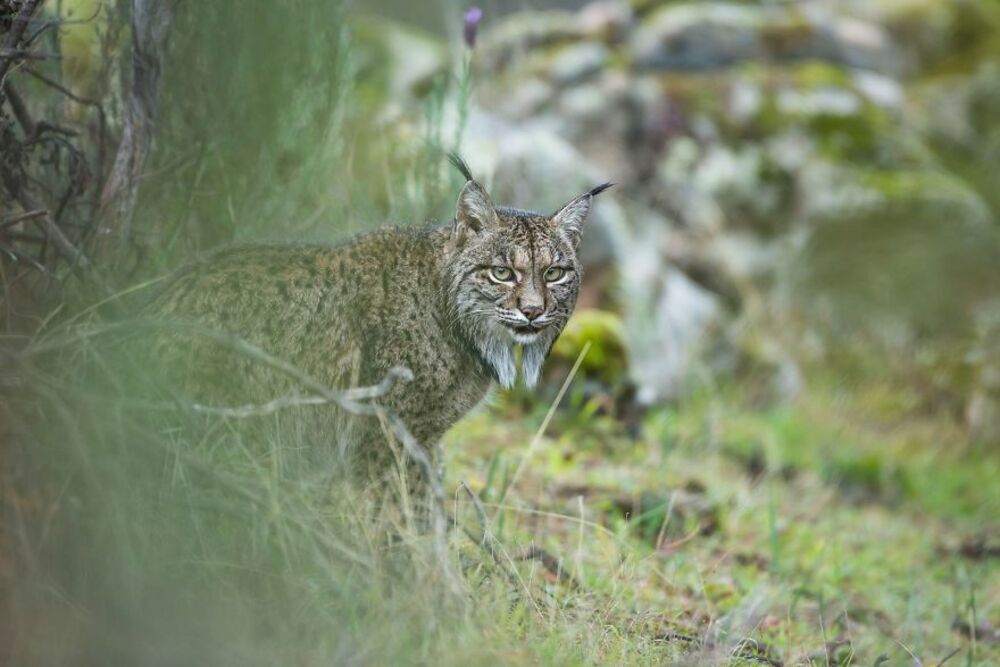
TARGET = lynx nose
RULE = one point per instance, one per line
(532, 311)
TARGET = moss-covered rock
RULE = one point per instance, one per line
(711, 35)
(603, 332)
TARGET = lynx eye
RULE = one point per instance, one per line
(501, 274)
(554, 274)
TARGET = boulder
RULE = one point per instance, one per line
(715, 186)
(577, 62)
(524, 35)
(673, 325)
(712, 35)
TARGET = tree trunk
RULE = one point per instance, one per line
(151, 21)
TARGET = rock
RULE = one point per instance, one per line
(528, 99)
(523, 35)
(854, 43)
(606, 20)
(699, 36)
(825, 102)
(928, 31)
(606, 359)
(689, 36)
(880, 90)
(716, 186)
(577, 62)
(595, 117)
(671, 323)
(851, 192)
(743, 257)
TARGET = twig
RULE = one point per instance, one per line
(61, 88)
(949, 656)
(19, 256)
(17, 28)
(282, 403)
(10, 222)
(751, 649)
(913, 656)
(20, 110)
(486, 539)
(52, 229)
(551, 564)
(26, 54)
(488, 543)
(21, 236)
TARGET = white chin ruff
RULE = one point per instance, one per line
(525, 339)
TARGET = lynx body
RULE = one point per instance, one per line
(449, 303)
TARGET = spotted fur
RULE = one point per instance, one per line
(450, 303)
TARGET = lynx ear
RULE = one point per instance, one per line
(475, 211)
(570, 218)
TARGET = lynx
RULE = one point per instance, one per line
(450, 303)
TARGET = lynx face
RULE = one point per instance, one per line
(514, 278)
(525, 278)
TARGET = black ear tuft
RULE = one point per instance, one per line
(599, 189)
(459, 163)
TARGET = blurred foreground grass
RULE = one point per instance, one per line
(829, 530)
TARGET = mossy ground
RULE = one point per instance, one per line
(833, 530)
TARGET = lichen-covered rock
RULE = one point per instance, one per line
(606, 20)
(602, 334)
(928, 32)
(717, 186)
(577, 62)
(711, 35)
(673, 325)
(524, 35)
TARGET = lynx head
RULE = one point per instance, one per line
(513, 277)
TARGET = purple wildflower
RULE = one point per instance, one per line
(472, 18)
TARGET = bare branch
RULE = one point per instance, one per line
(552, 564)
(65, 246)
(20, 110)
(17, 28)
(23, 216)
(61, 88)
(26, 54)
(285, 402)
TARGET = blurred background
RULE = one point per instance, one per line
(779, 439)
